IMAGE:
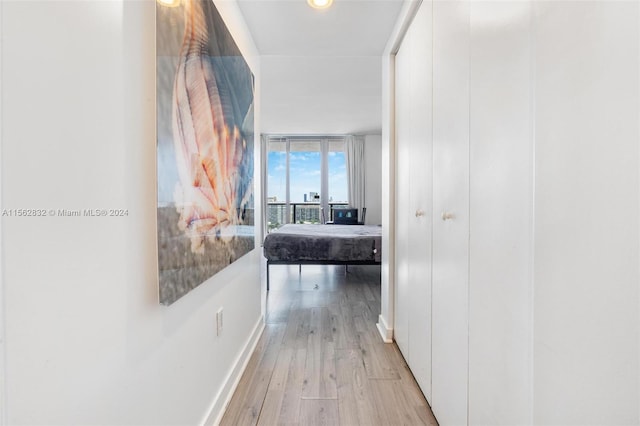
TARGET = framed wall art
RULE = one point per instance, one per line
(204, 148)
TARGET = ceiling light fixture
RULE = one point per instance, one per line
(320, 4)
(169, 3)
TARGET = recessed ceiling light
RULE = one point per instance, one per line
(169, 3)
(320, 4)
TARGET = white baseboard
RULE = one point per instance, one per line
(385, 332)
(222, 399)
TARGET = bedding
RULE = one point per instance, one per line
(323, 244)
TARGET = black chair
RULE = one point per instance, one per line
(364, 215)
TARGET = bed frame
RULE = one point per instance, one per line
(317, 262)
(305, 244)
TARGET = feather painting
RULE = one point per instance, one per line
(205, 148)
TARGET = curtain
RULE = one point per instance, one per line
(264, 173)
(354, 152)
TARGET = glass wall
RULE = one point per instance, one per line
(338, 192)
(277, 183)
(307, 179)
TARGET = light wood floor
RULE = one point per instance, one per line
(321, 361)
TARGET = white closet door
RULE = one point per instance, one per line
(451, 199)
(414, 197)
(421, 195)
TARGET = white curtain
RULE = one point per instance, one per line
(264, 207)
(354, 151)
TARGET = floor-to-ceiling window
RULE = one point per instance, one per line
(306, 179)
(337, 190)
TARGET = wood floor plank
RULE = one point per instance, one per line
(393, 406)
(349, 329)
(412, 389)
(319, 412)
(377, 361)
(425, 415)
(376, 303)
(282, 401)
(297, 328)
(290, 409)
(275, 391)
(326, 332)
(246, 411)
(278, 307)
(361, 308)
(354, 292)
(320, 368)
(367, 293)
(355, 403)
(374, 309)
(312, 299)
(291, 329)
(342, 328)
(244, 386)
(366, 330)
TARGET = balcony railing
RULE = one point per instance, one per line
(299, 213)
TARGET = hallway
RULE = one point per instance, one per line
(321, 360)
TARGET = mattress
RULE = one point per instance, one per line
(324, 243)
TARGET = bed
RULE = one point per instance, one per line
(323, 245)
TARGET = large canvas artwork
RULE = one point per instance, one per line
(205, 147)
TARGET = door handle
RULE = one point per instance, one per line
(419, 213)
(448, 216)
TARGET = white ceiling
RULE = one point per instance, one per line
(321, 69)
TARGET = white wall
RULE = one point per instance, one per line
(2, 308)
(501, 219)
(586, 212)
(373, 179)
(86, 340)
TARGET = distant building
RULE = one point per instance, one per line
(276, 215)
(275, 212)
(304, 213)
(307, 214)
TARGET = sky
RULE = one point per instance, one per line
(305, 175)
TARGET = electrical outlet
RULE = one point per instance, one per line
(219, 322)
